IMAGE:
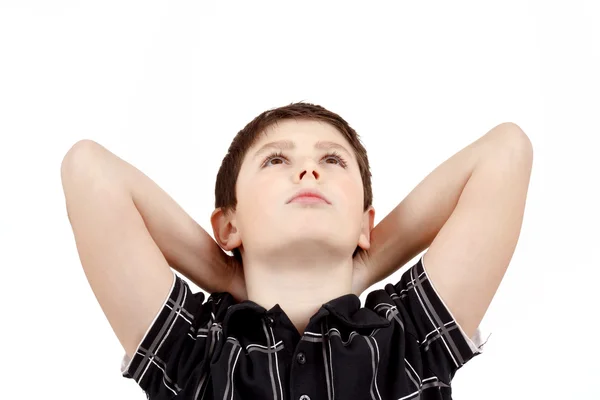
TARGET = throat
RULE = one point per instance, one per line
(300, 290)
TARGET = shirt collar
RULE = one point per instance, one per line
(346, 309)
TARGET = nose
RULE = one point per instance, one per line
(308, 170)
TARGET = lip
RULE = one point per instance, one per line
(308, 194)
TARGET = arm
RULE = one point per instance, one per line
(414, 224)
(186, 246)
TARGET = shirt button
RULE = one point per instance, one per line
(301, 358)
(304, 397)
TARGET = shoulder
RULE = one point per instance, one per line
(181, 326)
(421, 319)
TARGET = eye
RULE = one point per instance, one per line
(277, 156)
(335, 157)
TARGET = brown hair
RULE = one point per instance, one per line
(232, 162)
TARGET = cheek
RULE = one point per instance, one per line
(352, 193)
(256, 200)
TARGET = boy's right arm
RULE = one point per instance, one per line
(128, 232)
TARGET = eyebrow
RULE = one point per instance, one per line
(289, 145)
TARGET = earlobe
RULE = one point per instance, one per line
(364, 241)
(224, 229)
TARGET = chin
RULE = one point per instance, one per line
(312, 237)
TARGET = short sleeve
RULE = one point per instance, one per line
(171, 348)
(443, 344)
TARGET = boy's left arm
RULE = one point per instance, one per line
(468, 212)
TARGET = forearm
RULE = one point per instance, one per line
(413, 225)
(186, 246)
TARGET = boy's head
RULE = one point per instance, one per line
(282, 151)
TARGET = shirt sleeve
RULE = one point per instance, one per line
(173, 345)
(443, 344)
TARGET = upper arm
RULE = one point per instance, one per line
(469, 256)
(124, 267)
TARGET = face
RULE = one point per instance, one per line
(289, 157)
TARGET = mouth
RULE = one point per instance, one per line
(308, 200)
(309, 197)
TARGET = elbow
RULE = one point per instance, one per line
(515, 138)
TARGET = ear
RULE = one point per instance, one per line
(364, 240)
(225, 230)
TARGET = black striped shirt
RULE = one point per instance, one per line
(403, 344)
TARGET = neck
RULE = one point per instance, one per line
(299, 283)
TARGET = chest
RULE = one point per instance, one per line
(324, 363)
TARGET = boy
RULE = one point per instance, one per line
(293, 204)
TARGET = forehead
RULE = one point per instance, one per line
(300, 126)
(301, 132)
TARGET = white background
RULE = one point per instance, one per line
(166, 86)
